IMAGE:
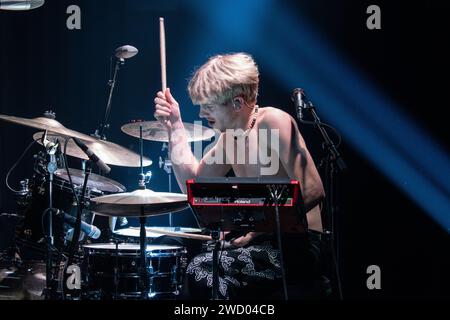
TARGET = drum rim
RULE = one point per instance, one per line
(133, 249)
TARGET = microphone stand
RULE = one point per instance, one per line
(100, 133)
(77, 229)
(334, 163)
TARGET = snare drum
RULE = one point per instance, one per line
(114, 272)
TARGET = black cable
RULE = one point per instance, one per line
(336, 133)
(15, 165)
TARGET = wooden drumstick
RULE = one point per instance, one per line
(162, 50)
(162, 47)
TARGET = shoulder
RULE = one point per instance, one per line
(274, 118)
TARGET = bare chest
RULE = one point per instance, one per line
(254, 155)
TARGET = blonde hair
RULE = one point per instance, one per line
(224, 77)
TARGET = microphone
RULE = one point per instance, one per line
(113, 221)
(92, 156)
(90, 230)
(20, 5)
(298, 96)
(126, 52)
(69, 235)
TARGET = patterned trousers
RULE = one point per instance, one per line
(254, 271)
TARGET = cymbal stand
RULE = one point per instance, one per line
(116, 269)
(166, 164)
(143, 233)
(52, 166)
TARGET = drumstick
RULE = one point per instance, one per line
(162, 50)
(162, 47)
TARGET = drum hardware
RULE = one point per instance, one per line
(116, 271)
(51, 149)
(167, 165)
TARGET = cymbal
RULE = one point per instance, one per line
(155, 232)
(95, 181)
(170, 231)
(107, 151)
(139, 203)
(155, 131)
(48, 124)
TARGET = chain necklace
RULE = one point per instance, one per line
(250, 127)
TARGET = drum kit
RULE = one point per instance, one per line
(57, 195)
(128, 266)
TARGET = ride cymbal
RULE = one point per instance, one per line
(155, 131)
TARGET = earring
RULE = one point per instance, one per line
(237, 105)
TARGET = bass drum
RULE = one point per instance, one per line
(30, 233)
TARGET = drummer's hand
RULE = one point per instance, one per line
(243, 241)
(167, 109)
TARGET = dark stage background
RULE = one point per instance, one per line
(43, 66)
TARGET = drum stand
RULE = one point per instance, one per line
(51, 149)
(142, 219)
(116, 270)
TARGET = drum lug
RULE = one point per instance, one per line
(150, 269)
(174, 274)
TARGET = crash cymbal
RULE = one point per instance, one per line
(141, 202)
(107, 151)
(95, 181)
(155, 131)
(51, 125)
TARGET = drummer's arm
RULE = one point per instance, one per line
(184, 163)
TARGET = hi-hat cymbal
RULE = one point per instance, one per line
(155, 131)
(174, 232)
(95, 181)
(48, 124)
(139, 203)
(155, 232)
(109, 152)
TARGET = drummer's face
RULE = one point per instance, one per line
(219, 116)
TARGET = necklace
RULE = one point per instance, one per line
(250, 127)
